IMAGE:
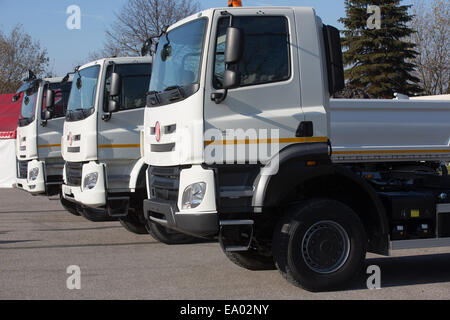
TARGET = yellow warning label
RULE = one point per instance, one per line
(415, 213)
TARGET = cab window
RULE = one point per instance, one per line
(266, 51)
(135, 79)
(61, 95)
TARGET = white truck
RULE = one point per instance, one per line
(104, 174)
(38, 142)
(245, 145)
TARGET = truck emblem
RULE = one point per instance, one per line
(157, 131)
(70, 138)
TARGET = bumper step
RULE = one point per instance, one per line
(118, 206)
(236, 235)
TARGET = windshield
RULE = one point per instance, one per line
(177, 60)
(29, 103)
(84, 88)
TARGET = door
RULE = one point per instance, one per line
(268, 97)
(50, 131)
(119, 137)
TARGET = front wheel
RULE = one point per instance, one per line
(320, 245)
(166, 235)
(251, 260)
(132, 225)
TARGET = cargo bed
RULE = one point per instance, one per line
(390, 130)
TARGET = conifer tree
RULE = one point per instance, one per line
(378, 60)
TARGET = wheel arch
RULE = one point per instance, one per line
(295, 181)
(137, 175)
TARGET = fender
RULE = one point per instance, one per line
(289, 165)
(270, 189)
(137, 170)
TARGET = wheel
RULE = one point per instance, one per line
(96, 215)
(69, 206)
(166, 235)
(132, 224)
(320, 245)
(251, 260)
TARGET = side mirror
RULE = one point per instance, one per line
(16, 97)
(113, 106)
(146, 47)
(234, 47)
(47, 114)
(231, 79)
(115, 85)
(49, 98)
(234, 51)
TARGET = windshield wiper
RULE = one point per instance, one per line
(82, 112)
(179, 90)
(25, 121)
(154, 97)
(173, 88)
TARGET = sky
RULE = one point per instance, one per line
(45, 21)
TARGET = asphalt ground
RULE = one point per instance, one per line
(39, 241)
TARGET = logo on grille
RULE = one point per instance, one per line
(70, 138)
(157, 131)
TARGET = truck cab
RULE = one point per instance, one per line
(243, 145)
(38, 145)
(100, 140)
(191, 119)
(104, 174)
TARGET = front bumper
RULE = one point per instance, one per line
(95, 197)
(201, 224)
(165, 191)
(36, 186)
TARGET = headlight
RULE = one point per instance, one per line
(33, 174)
(90, 180)
(193, 195)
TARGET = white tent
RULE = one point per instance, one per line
(7, 163)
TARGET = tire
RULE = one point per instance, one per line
(168, 236)
(320, 245)
(69, 206)
(251, 260)
(133, 226)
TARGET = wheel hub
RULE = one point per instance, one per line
(325, 247)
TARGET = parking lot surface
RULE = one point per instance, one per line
(39, 241)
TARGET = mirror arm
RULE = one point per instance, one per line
(107, 116)
(218, 98)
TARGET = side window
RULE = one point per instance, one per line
(135, 80)
(61, 96)
(266, 52)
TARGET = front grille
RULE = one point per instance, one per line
(169, 147)
(23, 169)
(73, 173)
(164, 183)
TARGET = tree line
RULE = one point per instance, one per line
(408, 53)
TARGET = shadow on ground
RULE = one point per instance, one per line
(408, 270)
